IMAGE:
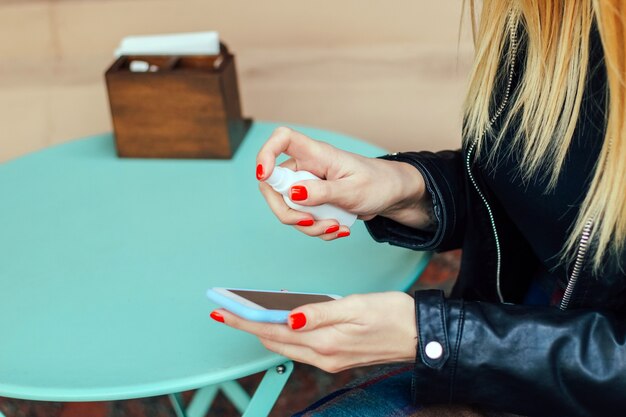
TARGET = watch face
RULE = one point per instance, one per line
(280, 300)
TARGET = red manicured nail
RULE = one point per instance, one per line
(299, 193)
(217, 317)
(297, 320)
(332, 229)
(343, 234)
(259, 172)
(307, 222)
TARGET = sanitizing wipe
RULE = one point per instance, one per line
(196, 43)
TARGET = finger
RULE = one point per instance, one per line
(320, 228)
(277, 143)
(272, 331)
(332, 234)
(282, 211)
(313, 316)
(290, 163)
(303, 222)
(290, 142)
(340, 193)
(278, 334)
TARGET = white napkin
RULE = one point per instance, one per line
(196, 43)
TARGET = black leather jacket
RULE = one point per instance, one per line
(510, 356)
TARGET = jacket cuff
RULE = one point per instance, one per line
(439, 326)
(383, 229)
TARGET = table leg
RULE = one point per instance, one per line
(236, 394)
(199, 405)
(201, 401)
(178, 405)
(268, 390)
(259, 405)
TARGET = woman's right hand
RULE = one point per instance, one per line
(367, 187)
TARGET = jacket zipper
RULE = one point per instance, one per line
(581, 253)
(472, 147)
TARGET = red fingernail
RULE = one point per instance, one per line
(259, 172)
(297, 320)
(332, 229)
(217, 317)
(298, 193)
(343, 234)
(307, 222)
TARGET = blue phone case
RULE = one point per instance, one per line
(249, 313)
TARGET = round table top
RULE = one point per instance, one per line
(105, 264)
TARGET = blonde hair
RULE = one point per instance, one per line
(548, 99)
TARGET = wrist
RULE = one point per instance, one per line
(409, 195)
(409, 346)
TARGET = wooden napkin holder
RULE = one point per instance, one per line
(184, 107)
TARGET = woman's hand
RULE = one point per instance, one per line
(357, 330)
(364, 186)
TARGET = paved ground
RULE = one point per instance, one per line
(306, 385)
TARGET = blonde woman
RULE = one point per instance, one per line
(536, 324)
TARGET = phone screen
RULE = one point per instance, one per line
(280, 300)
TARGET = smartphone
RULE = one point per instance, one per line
(264, 306)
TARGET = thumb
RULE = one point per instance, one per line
(314, 316)
(317, 192)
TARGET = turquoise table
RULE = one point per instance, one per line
(105, 262)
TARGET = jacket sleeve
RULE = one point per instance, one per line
(443, 175)
(534, 361)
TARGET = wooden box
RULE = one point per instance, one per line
(186, 107)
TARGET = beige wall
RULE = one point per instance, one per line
(386, 71)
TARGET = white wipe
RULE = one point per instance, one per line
(196, 43)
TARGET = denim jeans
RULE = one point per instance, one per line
(385, 393)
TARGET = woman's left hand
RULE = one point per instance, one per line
(357, 330)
